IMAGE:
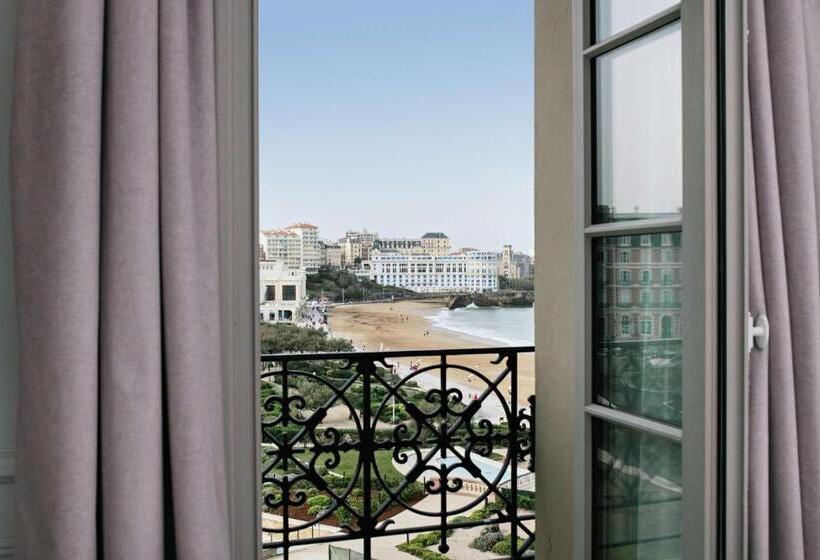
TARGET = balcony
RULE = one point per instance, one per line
(397, 454)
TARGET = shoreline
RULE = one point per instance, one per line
(406, 325)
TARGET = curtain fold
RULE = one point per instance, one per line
(784, 388)
(114, 193)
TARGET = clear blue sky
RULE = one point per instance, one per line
(399, 116)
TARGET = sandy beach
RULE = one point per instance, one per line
(402, 326)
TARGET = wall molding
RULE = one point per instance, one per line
(7, 457)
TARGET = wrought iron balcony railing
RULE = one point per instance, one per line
(360, 446)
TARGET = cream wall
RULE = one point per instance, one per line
(555, 284)
(8, 327)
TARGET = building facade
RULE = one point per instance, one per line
(331, 254)
(404, 245)
(474, 271)
(281, 245)
(514, 265)
(311, 254)
(356, 247)
(282, 292)
(435, 243)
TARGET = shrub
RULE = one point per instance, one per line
(504, 546)
(319, 500)
(421, 552)
(484, 512)
(489, 537)
(417, 546)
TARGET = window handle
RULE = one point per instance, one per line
(758, 330)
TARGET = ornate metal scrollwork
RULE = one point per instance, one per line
(322, 411)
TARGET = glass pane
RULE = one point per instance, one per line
(613, 16)
(638, 120)
(636, 495)
(637, 362)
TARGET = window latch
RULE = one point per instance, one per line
(758, 332)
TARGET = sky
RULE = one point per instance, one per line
(400, 117)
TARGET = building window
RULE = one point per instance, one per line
(625, 325)
(289, 293)
(626, 278)
(270, 293)
(646, 277)
(646, 326)
(646, 297)
(625, 258)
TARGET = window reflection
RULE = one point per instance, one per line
(637, 363)
(613, 16)
(639, 129)
(637, 495)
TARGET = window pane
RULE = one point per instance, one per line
(636, 495)
(613, 16)
(637, 361)
(638, 111)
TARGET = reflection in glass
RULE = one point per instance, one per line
(636, 495)
(637, 361)
(613, 16)
(639, 129)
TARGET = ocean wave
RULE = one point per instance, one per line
(507, 326)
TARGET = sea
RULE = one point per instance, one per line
(507, 326)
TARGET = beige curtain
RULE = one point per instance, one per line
(784, 415)
(115, 238)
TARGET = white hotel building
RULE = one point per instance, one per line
(470, 271)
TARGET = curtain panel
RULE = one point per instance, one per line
(114, 194)
(784, 387)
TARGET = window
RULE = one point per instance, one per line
(613, 16)
(638, 105)
(288, 293)
(625, 257)
(633, 126)
(270, 293)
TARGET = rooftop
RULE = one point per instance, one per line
(434, 235)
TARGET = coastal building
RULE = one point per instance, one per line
(514, 265)
(331, 254)
(281, 245)
(472, 271)
(282, 292)
(435, 243)
(404, 245)
(310, 251)
(356, 247)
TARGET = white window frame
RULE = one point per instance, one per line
(698, 223)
